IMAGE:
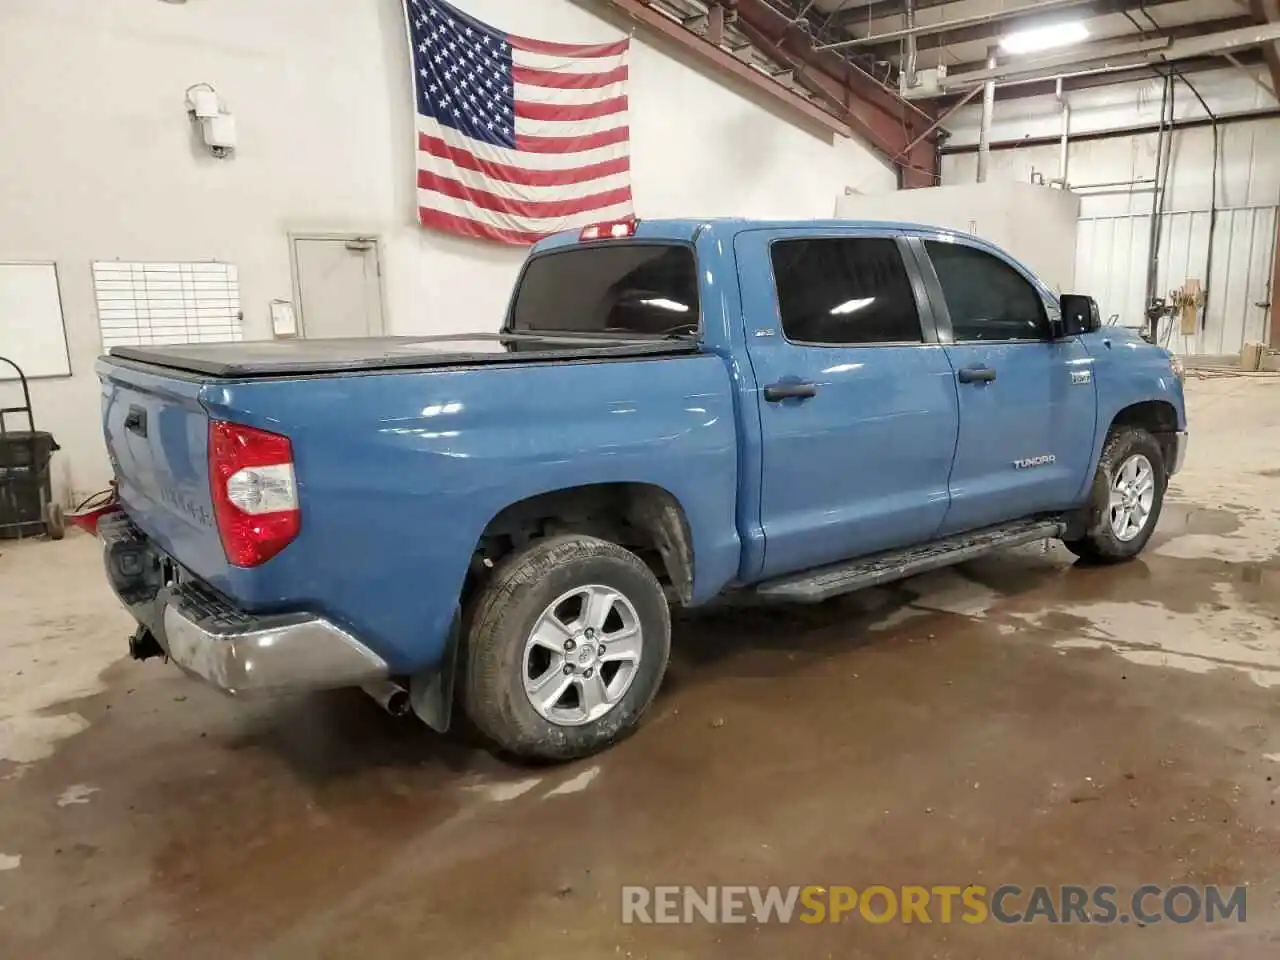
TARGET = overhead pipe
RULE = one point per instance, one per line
(1163, 151)
(909, 61)
(1066, 132)
(1213, 183)
(988, 112)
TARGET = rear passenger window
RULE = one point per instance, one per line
(844, 290)
(987, 298)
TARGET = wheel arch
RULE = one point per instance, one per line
(644, 517)
(1157, 417)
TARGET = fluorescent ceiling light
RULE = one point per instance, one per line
(1045, 38)
(662, 303)
(851, 306)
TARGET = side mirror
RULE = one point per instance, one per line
(1079, 315)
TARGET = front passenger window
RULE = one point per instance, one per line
(987, 298)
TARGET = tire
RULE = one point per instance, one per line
(560, 576)
(1101, 543)
(54, 524)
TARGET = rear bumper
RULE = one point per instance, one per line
(236, 652)
(244, 654)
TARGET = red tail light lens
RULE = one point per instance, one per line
(255, 494)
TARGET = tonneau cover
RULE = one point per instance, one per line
(279, 358)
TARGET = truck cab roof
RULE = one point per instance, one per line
(686, 230)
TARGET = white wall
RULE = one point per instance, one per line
(99, 161)
(1036, 224)
(1115, 221)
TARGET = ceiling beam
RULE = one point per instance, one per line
(875, 112)
(1182, 32)
(942, 26)
(1046, 88)
(1026, 20)
(852, 16)
(1268, 11)
(1181, 123)
(1112, 56)
(726, 64)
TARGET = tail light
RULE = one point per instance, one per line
(255, 495)
(612, 230)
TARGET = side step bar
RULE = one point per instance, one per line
(813, 586)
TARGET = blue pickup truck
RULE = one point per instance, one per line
(497, 524)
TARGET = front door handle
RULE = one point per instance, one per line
(977, 375)
(789, 390)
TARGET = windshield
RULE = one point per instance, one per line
(641, 289)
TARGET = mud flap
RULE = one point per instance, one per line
(431, 691)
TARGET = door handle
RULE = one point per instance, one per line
(977, 375)
(135, 421)
(789, 390)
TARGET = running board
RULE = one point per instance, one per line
(813, 586)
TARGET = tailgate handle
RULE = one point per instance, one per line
(135, 421)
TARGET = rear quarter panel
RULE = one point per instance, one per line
(399, 474)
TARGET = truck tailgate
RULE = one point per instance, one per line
(157, 435)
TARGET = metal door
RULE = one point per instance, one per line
(339, 283)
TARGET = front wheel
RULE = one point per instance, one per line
(1128, 493)
(566, 647)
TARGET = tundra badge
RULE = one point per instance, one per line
(1039, 461)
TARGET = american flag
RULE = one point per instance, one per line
(517, 138)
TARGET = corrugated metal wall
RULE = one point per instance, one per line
(1115, 180)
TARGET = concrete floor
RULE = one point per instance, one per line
(1014, 721)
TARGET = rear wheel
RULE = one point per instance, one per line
(1128, 493)
(566, 648)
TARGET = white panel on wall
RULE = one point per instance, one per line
(1115, 180)
(150, 303)
(32, 334)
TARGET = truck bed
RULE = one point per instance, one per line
(292, 358)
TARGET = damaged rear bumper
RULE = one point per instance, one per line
(237, 652)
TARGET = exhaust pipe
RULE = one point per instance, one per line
(392, 697)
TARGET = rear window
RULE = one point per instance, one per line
(625, 288)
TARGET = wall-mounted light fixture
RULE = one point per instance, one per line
(217, 125)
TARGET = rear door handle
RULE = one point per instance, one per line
(135, 421)
(977, 375)
(789, 390)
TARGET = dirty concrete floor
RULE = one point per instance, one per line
(1018, 720)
